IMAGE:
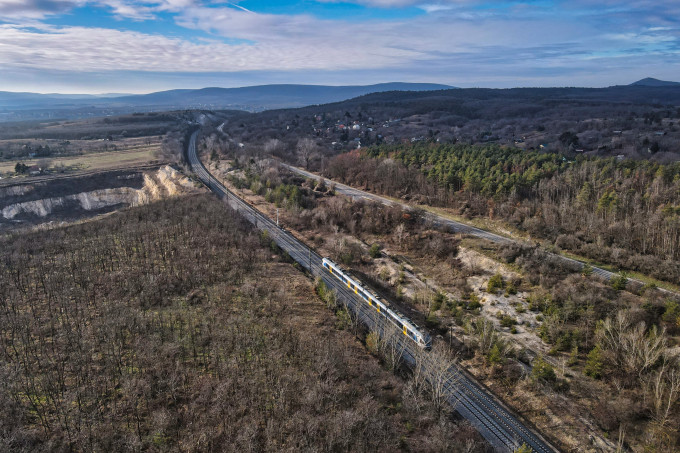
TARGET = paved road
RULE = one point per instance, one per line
(498, 426)
(456, 227)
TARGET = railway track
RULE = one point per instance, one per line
(503, 430)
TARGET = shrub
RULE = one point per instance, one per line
(374, 251)
(587, 270)
(495, 283)
(524, 448)
(326, 294)
(344, 320)
(672, 313)
(542, 370)
(539, 302)
(347, 257)
(510, 290)
(508, 321)
(619, 282)
(373, 343)
(438, 300)
(474, 303)
(432, 321)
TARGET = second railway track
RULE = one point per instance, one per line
(503, 430)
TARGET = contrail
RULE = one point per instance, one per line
(241, 7)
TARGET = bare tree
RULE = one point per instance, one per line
(443, 378)
(664, 388)
(306, 150)
(273, 146)
(400, 233)
(485, 334)
(392, 346)
(631, 347)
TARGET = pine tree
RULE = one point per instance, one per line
(573, 357)
(594, 363)
(495, 356)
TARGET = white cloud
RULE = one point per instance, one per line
(81, 49)
(303, 42)
(129, 9)
(454, 46)
(434, 8)
(35, 9)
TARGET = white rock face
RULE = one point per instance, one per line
(166, 182)
(88, 201)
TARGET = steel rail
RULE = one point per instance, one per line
(496, 424)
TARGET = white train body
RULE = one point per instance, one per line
(405, 325)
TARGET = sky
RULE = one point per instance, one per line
(140, 46)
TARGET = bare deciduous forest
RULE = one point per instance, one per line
(174, 327)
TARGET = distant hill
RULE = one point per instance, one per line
(268, 96)
(253, 98)
(651, 82)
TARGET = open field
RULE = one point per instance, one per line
(21, 149)
(137, 156)
(135, 125)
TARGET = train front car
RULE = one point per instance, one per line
(423, 340)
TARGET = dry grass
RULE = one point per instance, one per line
(136, 156)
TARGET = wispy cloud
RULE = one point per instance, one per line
(35, 9)
(129, 9)
(435, 7)
(459, 42)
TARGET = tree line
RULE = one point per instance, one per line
(623, 212)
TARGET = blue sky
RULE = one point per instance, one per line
(138, 46)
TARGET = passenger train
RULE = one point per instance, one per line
(405, 325)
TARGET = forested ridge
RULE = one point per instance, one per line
(623, 212)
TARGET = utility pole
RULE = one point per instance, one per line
(277, 216)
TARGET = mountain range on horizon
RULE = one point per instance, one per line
(276, 95)
(652, 82)
(24, 105)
